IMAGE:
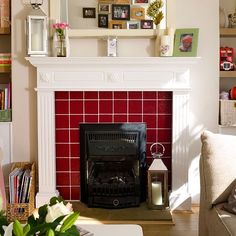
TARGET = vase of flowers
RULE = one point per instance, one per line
(60, 40)
(55, 218)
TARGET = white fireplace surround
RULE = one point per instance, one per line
(113, 74)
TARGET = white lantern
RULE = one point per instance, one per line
(37, 35)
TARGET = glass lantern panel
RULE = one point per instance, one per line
(37, 27)
(157, 189)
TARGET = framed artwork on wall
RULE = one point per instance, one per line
(120, 12)
(89, 12)
(104, 8)
(186, 42)
(138, 13)
(102, 20)
(141, 1)
(116, 24)
(133, 24)
(146, 24)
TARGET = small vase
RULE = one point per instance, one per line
(61, 47)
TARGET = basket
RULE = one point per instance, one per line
(228, 112)
(21, 211)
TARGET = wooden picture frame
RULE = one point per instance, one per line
(116, 24)
(133, 24)
(146, 24)
(138, 13)
(102, 20)
(140, 1)
(186, 42)
(106, 1)
(120, 12)
(89, 12)
(104, 8)
(122, 1)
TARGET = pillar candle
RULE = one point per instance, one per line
(156, 193)
(165, 45)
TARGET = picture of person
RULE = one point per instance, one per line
(120, 12)
(186, 42)
(146, 24)
(103, 20)
(141, 1)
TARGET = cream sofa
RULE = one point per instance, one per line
(217, 178)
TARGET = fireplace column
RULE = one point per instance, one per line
(46, 146)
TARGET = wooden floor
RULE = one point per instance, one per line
(186, 224)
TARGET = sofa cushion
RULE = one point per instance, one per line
(227, 219)
(230, 206)
(218, 161)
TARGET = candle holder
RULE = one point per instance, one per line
(157, 180)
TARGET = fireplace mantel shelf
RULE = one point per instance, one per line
(114, 74)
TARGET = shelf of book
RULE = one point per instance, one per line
(21, 191)
(5, 30)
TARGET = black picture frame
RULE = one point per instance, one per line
(146, 24)
(103, 20)
(89, 12)
(120, 12)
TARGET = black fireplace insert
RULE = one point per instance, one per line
(113, 164)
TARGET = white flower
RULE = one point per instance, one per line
(59, 209)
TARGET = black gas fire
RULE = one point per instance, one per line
(113, 164)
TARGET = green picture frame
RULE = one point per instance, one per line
(186, 42)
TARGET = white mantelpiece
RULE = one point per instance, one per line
(114, 74)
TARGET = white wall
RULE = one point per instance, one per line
(204, 95)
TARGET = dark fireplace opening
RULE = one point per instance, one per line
(113, 164)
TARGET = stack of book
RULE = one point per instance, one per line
(5, 96)
(5, 62)
(20, 182)
(4, 13)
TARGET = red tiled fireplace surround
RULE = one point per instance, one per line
(77, 89)
(73, 108)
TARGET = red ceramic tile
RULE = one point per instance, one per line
(164, 95)
(62, 136)
(120, 95)
(164, 121)
(135, 95)
(135, 107)
(75, 193)
(148, 153)
(168, 149)
(76, 95)
(75, 164)
(76, 107)
(105, 106)
(151, 135)
(62, 150)
(64, 192)
(75, 120)
(150, 120)
(120, 118)
(165, 106)
(74, 150)
(91, 95)
(62, 107)
(62, 178)
(105, 118)
(105, 95)
(135, 118)
(91, 107)
(149, 95)
(167, 162)
(149, 106)
(91, 118)
(62, 121)
(120, 106)
(62, 164)
(75, 178)
(61, 95)
(164, 135)
(74, 136)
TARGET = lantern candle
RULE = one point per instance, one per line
(156, 193)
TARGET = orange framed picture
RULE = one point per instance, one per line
(138, 13)
(117, 24)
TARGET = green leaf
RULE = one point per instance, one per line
(17, 228)
(50, 232)
(69, 221)
(3, 222)
(26, 229)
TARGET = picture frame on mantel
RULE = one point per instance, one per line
(186, 42)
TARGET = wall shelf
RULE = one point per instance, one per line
(227, 74)
(227, 32)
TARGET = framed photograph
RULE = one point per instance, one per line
(133, 24)
(146, 24)
(140, 1)
(116, 24)
(138, 13)
(103, 20)
(104, 8)
(120, 12)
(186, 42)
(107, 1)
(89, 12)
